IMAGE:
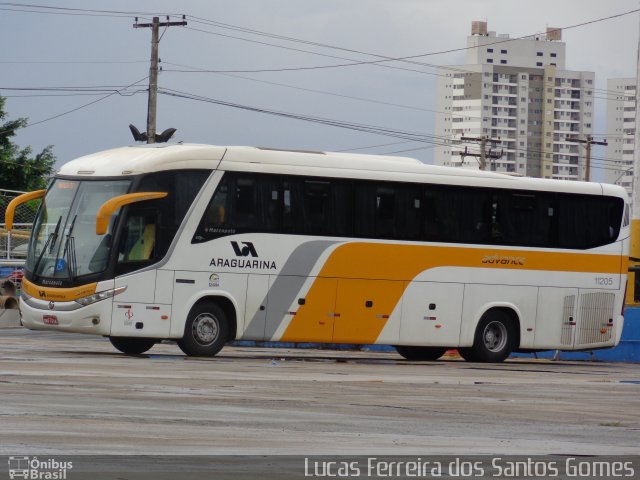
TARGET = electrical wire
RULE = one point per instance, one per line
(78, 108)
(85, 10)
(434, 140)
(324, 92)
(384, 58)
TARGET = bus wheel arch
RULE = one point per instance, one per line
(210, 324)
(496, 335)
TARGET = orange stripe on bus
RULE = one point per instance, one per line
(362, 262)
(58, 294)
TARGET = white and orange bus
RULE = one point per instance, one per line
(207, 244)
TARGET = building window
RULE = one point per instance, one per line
(538, 64)
(503, 51)
(489, 60)
(552, 64)
(539, 54)
(503, 62)
(490, 50)
(553, 55)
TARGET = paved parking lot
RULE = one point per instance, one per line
(72, 394)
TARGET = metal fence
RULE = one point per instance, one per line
(13, 245)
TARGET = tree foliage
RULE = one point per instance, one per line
(19, 168)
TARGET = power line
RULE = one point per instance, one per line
(410, 57)
(51, 95)
(60, 13)
(415, 136)
(383, 58)
(324, 92)
(78, 88)
(434, 140)
(86, 10)
(352, 61)
(77, 108)
(72, 62)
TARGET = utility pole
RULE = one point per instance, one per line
(588, 142)
(483, 155)
(153, 70)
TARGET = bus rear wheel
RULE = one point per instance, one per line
(132, 345)
(206, 330)
(494, 339)
(420, 353)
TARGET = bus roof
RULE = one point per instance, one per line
(138, 159)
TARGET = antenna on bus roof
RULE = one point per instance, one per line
(159, 137)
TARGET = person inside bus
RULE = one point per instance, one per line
(139, 241)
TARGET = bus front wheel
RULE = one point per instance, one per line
(420, 353)
(206, 330)
(494, 339)
(131, 345)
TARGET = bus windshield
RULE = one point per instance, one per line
(64, 244)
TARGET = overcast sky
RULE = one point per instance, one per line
(399, 99)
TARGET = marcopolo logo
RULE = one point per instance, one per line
(245, 251)
(36, 469)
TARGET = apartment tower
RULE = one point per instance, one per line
(621, 127)
(515, 91)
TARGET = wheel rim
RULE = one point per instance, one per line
(495, 336)
(205, 329)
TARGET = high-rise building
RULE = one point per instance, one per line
(516, 91)
(621, 126)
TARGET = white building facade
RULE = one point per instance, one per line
(516, 92)
(621, 125)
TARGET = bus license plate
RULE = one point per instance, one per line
(50, 319)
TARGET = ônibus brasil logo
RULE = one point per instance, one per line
(243, 249)
(35, 469)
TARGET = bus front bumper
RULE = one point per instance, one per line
(66, 316)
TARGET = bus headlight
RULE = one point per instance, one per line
(96, 297)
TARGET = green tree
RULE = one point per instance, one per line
(19, 168)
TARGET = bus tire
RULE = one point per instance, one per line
(132, 345)
(420, 353)
(206, 330)
(494, 339)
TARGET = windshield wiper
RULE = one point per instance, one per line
(69, 251)
(53, 236)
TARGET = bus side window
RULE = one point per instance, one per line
(432, 225)
(245, 203)
(316, 207)
(216, 216)
(385, 211)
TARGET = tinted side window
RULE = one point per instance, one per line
(457, 214)
(243, 203)
(149, 227)
(586, 221)
(250, 202)
(386, 211)
(527, 218)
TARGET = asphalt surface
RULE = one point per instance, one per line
(71, 394)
